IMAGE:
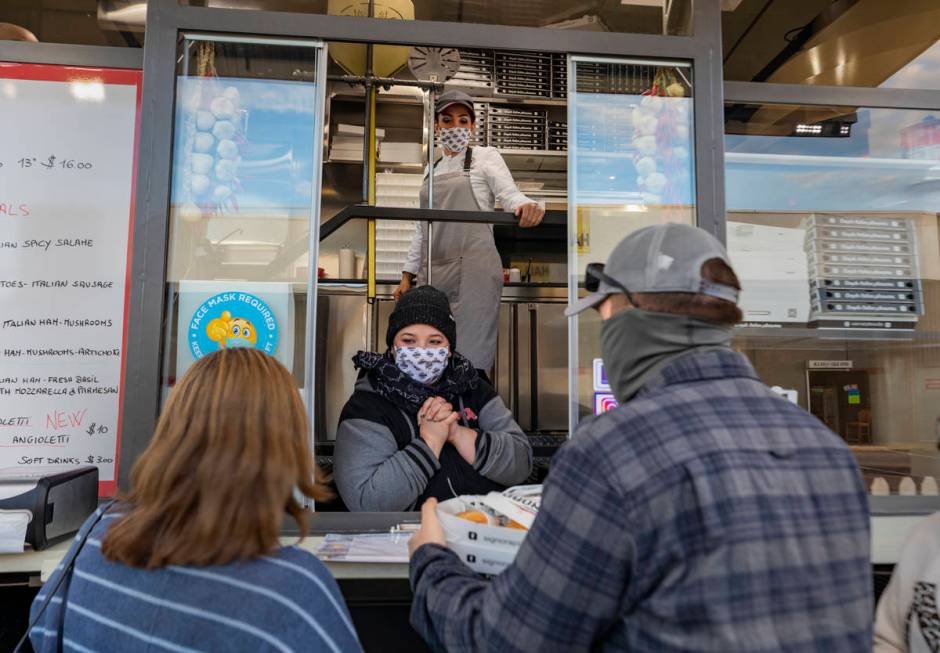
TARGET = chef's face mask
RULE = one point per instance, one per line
(423, 364)
(455, 139)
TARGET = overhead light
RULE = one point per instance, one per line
(805, 129)
(825, 129)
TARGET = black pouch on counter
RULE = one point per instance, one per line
(59, 498)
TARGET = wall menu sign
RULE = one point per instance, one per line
(838, 364)
(68, 149)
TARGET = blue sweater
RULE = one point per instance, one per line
(286, 601)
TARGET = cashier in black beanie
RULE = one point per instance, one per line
(464, 262)
(421, 422)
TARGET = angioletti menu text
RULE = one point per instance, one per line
(67, 166)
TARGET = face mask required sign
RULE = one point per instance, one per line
(66, 215)
(229, 320)
(214, 315)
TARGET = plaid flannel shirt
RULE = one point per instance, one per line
(707, 514)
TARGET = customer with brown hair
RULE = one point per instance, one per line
(190, 558)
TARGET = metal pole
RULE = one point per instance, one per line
(533, 367)
(514, 360)
(313, 253)
(368, 186)
(429, 117)
(367, 124)
(186, 45)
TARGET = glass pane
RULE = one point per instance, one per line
(116, 23)
(246, 167)
(632, 16)
(872, 44)
(833, 230)
(923, 71)
(630, 162)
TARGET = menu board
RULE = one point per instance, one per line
(68, 140)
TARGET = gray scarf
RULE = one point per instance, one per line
(637, 344)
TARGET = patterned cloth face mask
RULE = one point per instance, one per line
(455, 139)
(424, 365)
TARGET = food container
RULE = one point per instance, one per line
(485, 549)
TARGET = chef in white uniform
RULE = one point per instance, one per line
(464, 262)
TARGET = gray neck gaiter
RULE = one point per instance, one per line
(636, 344)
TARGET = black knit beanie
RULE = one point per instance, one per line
(423, 305)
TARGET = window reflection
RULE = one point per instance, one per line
(631, 154)
(871, 44)
(922, 72)
(836, 239)
(245, 168)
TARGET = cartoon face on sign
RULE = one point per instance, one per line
(232, 319)
(231, 331)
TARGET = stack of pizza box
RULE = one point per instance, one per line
(863, 271)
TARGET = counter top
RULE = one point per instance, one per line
(888, 533)
(44, 562)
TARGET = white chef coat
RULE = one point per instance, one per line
(490, 180)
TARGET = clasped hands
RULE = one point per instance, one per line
(438, 424)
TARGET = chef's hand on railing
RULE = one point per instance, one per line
(407, 281)
(530, 215)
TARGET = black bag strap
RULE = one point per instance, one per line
(65, 577)
(431, 167)
(467, 161)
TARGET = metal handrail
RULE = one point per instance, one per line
(365, 211)
(359, 211)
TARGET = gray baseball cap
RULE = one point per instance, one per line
(449, 98)
(660, 258)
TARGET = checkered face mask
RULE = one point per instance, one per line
(455, 139)
(423, 364)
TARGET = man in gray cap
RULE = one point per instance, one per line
(705, 513)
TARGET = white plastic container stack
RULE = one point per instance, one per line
(393, 237)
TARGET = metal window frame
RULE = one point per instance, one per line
(166, 19)
(62, 54)
(854, 96)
